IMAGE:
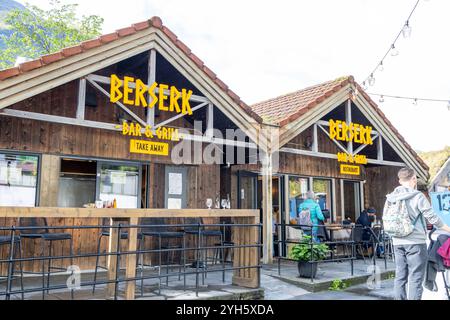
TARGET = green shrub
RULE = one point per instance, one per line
(302, 250)
(337, 285)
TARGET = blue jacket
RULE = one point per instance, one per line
(314, 208)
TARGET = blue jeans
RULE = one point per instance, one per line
(315, 232)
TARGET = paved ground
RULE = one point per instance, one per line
(273, 287)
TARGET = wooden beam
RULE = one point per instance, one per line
(334, 156)
(180, 115)
(81, 105)
(107, 80)
(315, 142)
(267, 208)
(341, 187)
(151, 79)
(334, 140)
(380, 155)
(121, 105)
(348, 119)
(361, 147)
(59, 119)
(209, 121)
(334, 195)
(57, 212)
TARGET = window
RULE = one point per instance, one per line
(322, 190)
(120, 182)
(18, 180)
(297, 194)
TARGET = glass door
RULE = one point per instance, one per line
(352, 203)
(247, 190)
(120, 181)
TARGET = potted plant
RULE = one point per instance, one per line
(302, 253)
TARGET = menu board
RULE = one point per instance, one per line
(175, 183)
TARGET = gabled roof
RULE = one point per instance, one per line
(155, 22)
(441, 174)
(287, 108)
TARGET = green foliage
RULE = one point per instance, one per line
(337, 285)
(36, 32)
(302, 251)
(435, 159)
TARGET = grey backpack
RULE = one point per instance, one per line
(304, 219)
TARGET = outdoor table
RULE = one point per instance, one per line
(242, 235)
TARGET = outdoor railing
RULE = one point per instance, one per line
(243, 243)
(350, 243)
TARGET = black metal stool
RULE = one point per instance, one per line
(105, 233)
(15, 242)
(200, 234)
(158, 228)
(38, 229)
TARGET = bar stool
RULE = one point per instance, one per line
(105, 233)
(158, 228)
(39, 230)
(204, 235)
(5, 241)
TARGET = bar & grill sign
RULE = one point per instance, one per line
(133, 92)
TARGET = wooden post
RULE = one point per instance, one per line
(267, 237)
(248, 278)
(112, 259)
(131, 260)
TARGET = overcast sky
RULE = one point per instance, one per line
(262, 49)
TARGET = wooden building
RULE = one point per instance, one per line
(63, 143)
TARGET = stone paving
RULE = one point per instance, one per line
(273, 286)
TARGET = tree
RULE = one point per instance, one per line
(36, 32)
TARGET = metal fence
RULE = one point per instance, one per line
(194, 260)
(350, 246)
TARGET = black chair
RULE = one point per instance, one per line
(37, 228)
(6, 241)
(106, 233)
(357, 235)
(159, 229)
(204, 234)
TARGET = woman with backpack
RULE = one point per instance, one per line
(310, 210)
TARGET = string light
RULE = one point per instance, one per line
(394, 51)
(406, 31)
(371, 80)
(415, 101)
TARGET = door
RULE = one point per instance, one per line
(247, 190)
(351, 201)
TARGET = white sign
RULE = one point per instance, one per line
(173, 203)
(15, 175)
(118, 177)
(175, 183)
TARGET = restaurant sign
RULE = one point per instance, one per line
(353, 132)
(133, 92)
(349, 169)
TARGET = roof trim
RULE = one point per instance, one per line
(12, 76)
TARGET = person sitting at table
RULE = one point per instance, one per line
(364, 220)
(315, 212)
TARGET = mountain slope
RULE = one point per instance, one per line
(5, 7)
(435, 159)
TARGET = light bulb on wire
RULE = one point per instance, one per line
(448, 105)
(371, 80)
(415, 102)
(380, 66)
(364, 86)
(406, 31)
(394, 51)
(381, 100)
